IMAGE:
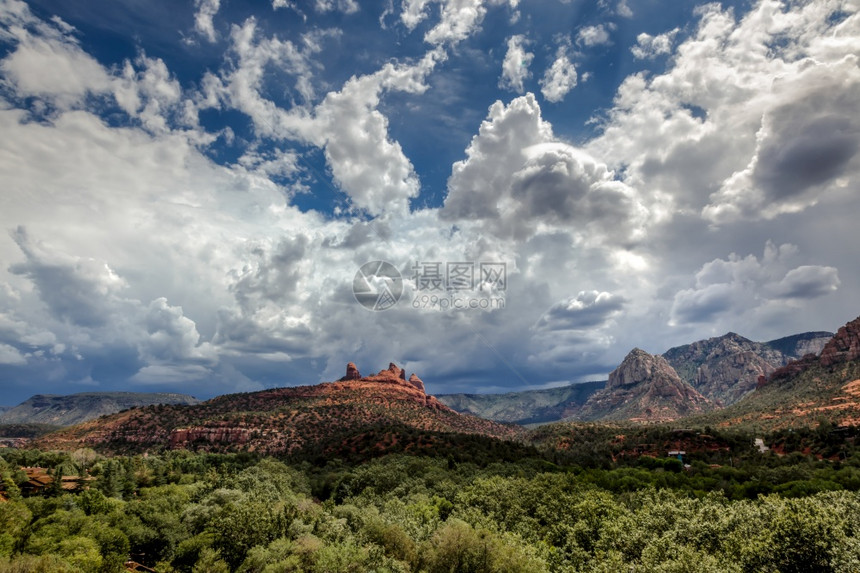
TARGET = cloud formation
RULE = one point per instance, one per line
(203, 19)
(47, 61)
(515, 67)
(458, 19)
(559, 78)
(370, 167)
(731, 129)
(593, 36)
(750, 284)
(586, 310)
(519, 179)
(802, 147)
(649, 47)
(199, 227)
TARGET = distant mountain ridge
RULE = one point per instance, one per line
(726, 368)
(723, 369)
(67, 410)
(526, 407)
(805, 391)
(799, 345)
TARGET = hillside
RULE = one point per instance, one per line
(526, 407)
(59, 410)
(328, 417)
(726, 368)
(806, 391)
(644, 388)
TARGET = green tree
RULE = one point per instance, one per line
(458, 547)
(35, 564)
(210, 562)
(81, 552)
(56, 487)
(14, 518)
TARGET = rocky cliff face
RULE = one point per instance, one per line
(392, 374)
(185, 437)
(352, 373)
(726, 368)
(810, 346)
(417, 382)
(644, 388)
(638, 367)
(799, 345)
(805, 391)
(844, 346)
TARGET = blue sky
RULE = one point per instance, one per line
(188, 189)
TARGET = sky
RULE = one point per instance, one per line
(191, 192)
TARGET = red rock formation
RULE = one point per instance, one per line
(844, 346)
(417, 382)
(393, 371)
(181, 437)
(352, 373)
(396, 375)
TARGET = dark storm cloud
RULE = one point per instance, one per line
(806, 147)
(808, 282)
(805, 150)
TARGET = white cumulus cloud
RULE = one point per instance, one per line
(515, 67)
(648, 46)
(519, 179)
(593, 35)
(559, 78)
(203, 19)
